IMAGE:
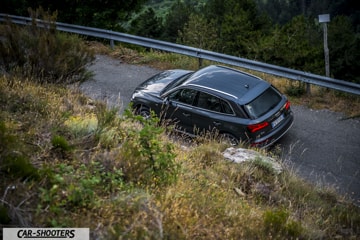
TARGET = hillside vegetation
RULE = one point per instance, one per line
(69, 161)
(280, 32)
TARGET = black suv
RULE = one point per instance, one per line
(237, 105)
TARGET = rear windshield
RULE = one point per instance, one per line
(263, 103)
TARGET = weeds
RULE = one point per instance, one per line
(147, 159)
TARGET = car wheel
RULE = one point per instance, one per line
(144, 112)
(229, 139)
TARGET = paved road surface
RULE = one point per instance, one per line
(321, 146)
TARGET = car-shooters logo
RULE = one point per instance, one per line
(46, 233)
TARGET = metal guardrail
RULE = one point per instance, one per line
(306, 77)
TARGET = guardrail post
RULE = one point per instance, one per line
(308, 89)
(112, 43)
(200, 62)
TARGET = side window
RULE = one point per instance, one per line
(226, 107)
(212, 103)
(186, 96)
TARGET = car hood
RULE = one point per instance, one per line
(159, 82)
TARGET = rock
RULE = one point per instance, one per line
(239, 155)
(239, 192)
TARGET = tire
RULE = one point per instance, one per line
(144, 112)
(229, 139)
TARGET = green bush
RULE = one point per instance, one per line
(108, 131)
(295, 90)
(12, 161)
(61, 143)
(72, 188)
(148, 160)
(19, 166)
(278, 225)
(42, 53)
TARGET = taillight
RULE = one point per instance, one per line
(287, 105)
(256, 127)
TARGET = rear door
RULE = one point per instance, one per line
(211, 114)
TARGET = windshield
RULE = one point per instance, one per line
(176, 83)
(264, 103)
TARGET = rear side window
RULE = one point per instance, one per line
(263, 103)
(212, 103)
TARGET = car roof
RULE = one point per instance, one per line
(228, 82)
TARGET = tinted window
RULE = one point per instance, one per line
(176, 83)
(186, 96)
(264, 103)
(212, 103)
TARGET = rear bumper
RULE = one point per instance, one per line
(275, 135)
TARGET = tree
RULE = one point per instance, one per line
(344, 50)
(198, 32)
(95, 13)
(295, 45)
(175, 20)
(239, 25)
(147, 24)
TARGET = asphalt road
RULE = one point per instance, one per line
(322, 146)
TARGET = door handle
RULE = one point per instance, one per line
(217, 124)
(186, 114)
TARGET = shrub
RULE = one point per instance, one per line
(19, 166)
(75, 188)
(295, 91)
(278, 225)
(42, 53)
(61, 143)
(148, 159)
(12, 161)
(108, 131)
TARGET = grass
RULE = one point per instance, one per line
(69, 161)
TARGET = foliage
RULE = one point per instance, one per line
(43, 54)
(60, 143)
(175, 20)
(94, 13)
(198, 32)
(147, 24)
(282, 11)
(344, 54)
(293, 46)
(268, 31)
(241, 28)
(148, 161)
(81, 186)
(107, 130)
(278, 225)
(13, 162)
(295, 89)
